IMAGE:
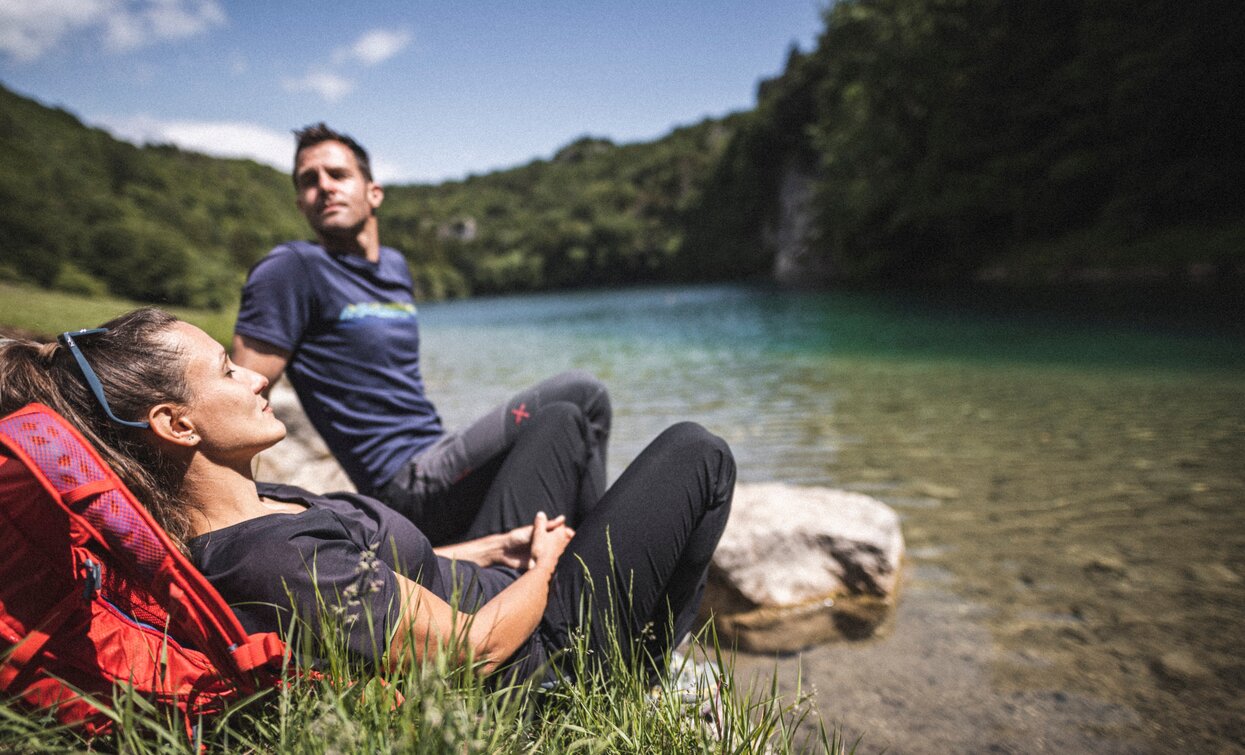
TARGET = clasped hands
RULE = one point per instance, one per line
(522, 548)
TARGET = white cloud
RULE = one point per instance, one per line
(29, 29)
(178, 19)
(330, 86)
(219, 138)
(371, 48)
(139, 23)
(386, 172)
(375, 46)
(227, 139)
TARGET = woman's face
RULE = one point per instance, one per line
(233, 421)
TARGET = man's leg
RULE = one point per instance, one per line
(442, 488)
(541, 472)
(494, 433)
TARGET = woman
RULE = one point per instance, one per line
(181, 424)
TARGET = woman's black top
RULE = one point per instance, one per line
(335, 563)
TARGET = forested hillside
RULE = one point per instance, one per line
(936, 141)
(948, 140)
(82, 211)
(594, 214)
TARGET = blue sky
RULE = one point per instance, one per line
(435, 90)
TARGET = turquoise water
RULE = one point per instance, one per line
(1078, 474)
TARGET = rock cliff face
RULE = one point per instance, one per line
(788, 236)
(797, 566)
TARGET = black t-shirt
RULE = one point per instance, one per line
(343, 550)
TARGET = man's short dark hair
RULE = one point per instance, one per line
(320, 132)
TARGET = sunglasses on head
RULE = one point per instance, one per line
(67, 340)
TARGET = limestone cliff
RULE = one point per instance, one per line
(788, 234)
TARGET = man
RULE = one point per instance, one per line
(339, 318)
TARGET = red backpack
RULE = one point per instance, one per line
(94, 594)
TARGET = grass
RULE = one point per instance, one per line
(442, 706)
(32, 311)
(603, 701)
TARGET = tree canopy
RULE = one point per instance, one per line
(949, 136)
(82, 211)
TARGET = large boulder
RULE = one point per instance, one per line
(798, 566)
(301, 459)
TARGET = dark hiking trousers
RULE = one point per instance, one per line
(636, 567)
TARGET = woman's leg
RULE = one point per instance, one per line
(638, 562)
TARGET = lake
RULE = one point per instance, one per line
(1072, 487)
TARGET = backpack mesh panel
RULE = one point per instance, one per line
(68, 466)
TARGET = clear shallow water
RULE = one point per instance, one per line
(1082, 484)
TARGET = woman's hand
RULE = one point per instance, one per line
(504, 623)
(549, 537)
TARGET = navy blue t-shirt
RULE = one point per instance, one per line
(353, 336)
(346, 547)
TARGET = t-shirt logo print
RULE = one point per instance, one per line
(384, 310)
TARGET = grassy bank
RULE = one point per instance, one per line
(442, 707)
(30, 310)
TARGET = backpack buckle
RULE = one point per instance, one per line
(93, 579)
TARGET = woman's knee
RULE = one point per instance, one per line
(694, 435)
(698, 449)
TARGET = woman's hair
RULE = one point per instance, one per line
(138, 367)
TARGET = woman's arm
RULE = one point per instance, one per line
(499, 628)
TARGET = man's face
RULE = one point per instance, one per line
(333, 194)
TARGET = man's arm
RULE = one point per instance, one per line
(264, 358)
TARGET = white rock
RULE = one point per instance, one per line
(786, 545)
(801, 566)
